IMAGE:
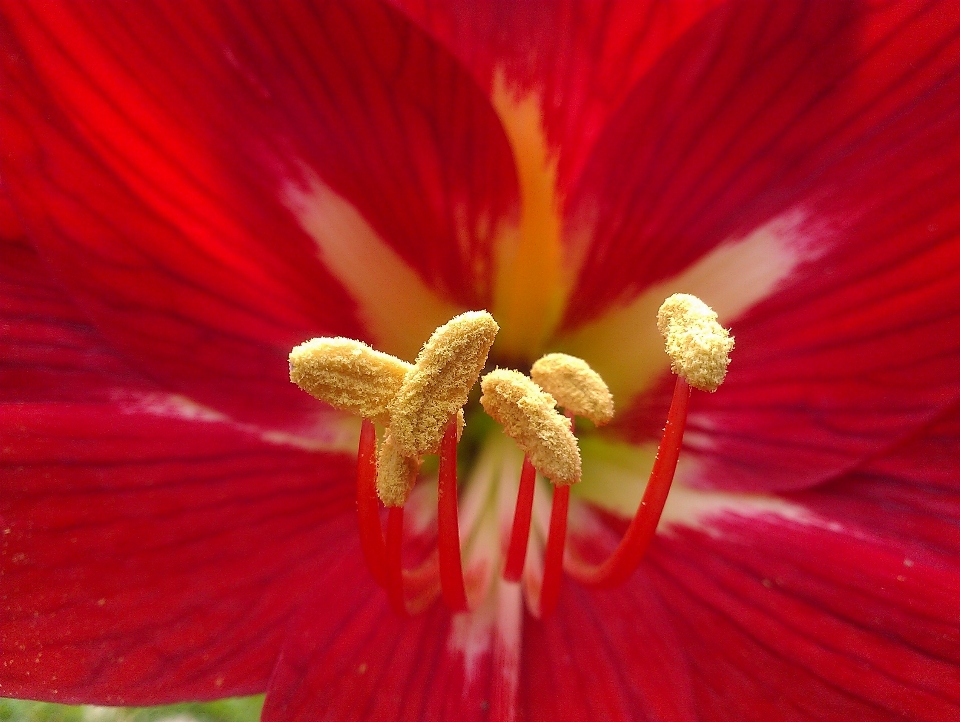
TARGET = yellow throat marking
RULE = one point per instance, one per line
(530, 291)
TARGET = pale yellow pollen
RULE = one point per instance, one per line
(396, 473)
(529, 417)
(576, 387)
(437, 386)
(698, 346)
(348, 375)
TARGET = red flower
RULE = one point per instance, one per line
(193, 189)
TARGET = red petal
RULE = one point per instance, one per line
(148, 149)
(351, 658)
(911, 493)
(605, 655)
(609, 655)
(152, 550)
(9, 221)
(778, 615)
(847, 609)
(151, 559)
(847, 121)
(48, 350)
(580, 59)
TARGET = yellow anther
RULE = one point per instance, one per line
(698, 346)
(576, 387)
(529, 417)
(437, 386)
(348, 375)
(396, 473)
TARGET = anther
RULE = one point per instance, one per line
(575, 386)
(698, 346)
(529, 417)
(348, 375)
(437, 386)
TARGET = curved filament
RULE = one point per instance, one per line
(625, 558)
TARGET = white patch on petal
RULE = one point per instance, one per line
(471, 636)
(331, 433)
(615, 478)
(698, 440)
(491, 633)
(506, 652)
(393, 302)
(174, 406)
(696, 507)
(624, 345)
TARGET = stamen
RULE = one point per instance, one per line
(415, 403)
(368, 508)
(396, 473)
(698, 346)
(553, 556)
(628, 554)
(556, 542)
(517, 552)
(437, 386)
(576, 387)
(348, 375)
(529, 417)
(448, 526)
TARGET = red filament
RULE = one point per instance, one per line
(368, 504)
(384, 557)
(635, 542)
(448, 525)
(517, 552)
(395, 560)
(553, 557)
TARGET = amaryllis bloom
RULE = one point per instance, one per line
(192, 189)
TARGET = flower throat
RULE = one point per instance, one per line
(419, 408)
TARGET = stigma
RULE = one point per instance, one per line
(418, 407)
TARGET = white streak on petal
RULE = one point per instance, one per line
(394, 303)
(490, 635)
(506, 654)
(695, 508)
(615, 477)
(624, 346)
(331, 432)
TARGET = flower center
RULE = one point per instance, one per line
(419, 407)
